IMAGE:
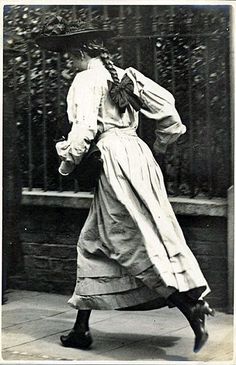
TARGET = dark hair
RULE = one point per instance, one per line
(95, 48)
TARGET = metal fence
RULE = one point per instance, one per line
(184, 48)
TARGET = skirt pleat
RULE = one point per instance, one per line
(131, 249)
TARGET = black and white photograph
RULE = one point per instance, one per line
(118, 182)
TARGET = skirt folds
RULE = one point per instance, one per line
(131, 249)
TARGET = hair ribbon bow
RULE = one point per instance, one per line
(122, 94)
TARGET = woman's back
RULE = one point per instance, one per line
(92, 83)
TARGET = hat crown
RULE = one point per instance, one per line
(59, 26)
(57, 34)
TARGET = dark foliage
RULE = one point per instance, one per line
(186, 50)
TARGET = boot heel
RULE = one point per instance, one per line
(206, 309)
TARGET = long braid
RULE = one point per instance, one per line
(95, 48)
(105, 57)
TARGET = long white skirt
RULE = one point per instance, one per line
(131, 249)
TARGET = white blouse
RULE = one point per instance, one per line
(90, 109)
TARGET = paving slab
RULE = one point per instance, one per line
(33, 323)
(42, 300)
(52, 348)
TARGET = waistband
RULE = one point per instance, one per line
(119, 132)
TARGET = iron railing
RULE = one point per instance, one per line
(184, 48)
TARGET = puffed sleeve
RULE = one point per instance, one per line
(83, 103)
(159, 104)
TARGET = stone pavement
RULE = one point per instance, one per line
(32, 323)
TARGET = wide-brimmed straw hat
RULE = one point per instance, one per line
(58, 35)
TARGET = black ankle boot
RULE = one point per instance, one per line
(79, 340)
(197, 322)
(195, 312)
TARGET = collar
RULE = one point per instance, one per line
(95, 63)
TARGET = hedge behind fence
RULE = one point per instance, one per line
(184, 48)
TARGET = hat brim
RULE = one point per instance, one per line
(63, 42)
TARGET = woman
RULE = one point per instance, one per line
(132, 254)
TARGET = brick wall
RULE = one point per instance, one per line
(49, 237)
(207, 238)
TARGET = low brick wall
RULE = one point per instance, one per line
(207, 238)
(49, 236)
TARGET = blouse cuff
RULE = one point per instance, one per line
(66, 168)
(62, 149)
